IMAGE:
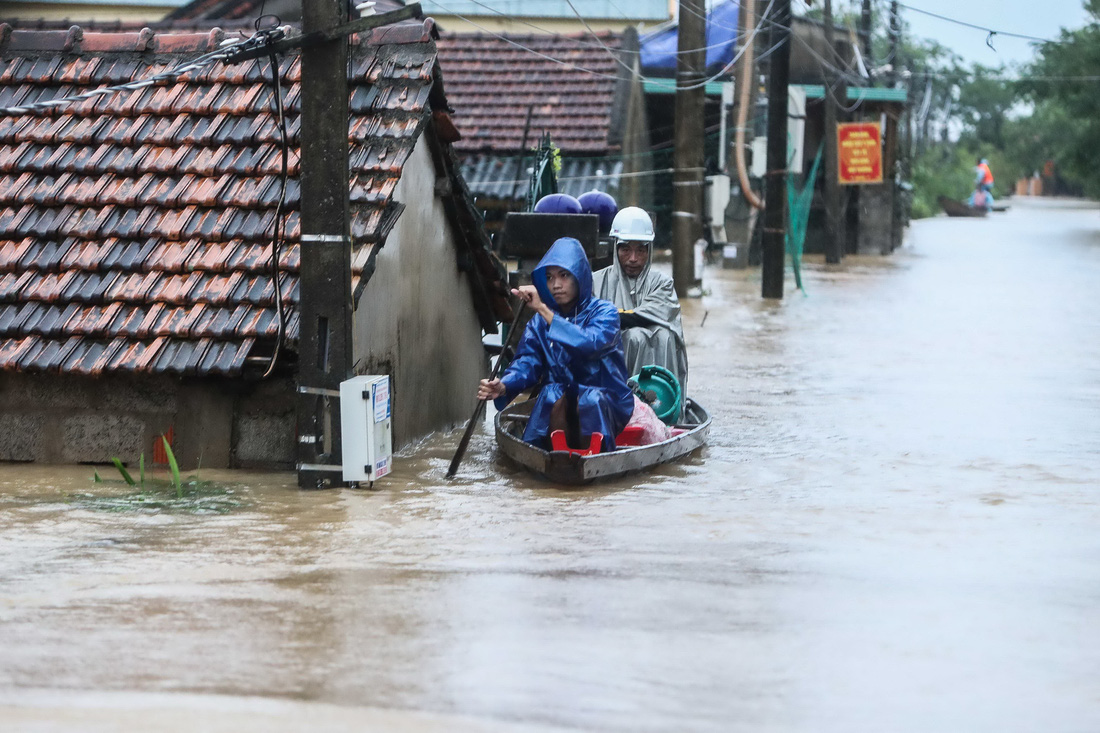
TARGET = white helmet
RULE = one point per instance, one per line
(632, 225)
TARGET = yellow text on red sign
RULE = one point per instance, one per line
(859, 152)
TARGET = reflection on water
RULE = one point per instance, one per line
(893, 528)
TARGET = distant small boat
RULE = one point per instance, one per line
(957, 208)
(562, 467)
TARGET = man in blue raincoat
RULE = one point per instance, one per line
(573, 347)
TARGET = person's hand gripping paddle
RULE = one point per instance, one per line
(513, 337)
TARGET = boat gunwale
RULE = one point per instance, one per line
(571, 469)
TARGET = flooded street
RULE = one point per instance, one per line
(895, 527)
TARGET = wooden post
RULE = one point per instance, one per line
(324, 354)
(865, 37)
(834, 247)
(775, 189)
(895, 38)
(688, 134)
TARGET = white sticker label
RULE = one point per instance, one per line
(381, 395)
(382, 468)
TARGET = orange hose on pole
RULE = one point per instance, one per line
(743, 85)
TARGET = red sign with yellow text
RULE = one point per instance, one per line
(859, 152)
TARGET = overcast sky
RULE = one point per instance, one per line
(1042, 19)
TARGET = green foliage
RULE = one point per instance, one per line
(173, 466)
(984, 103)
(125, 474)
(1069, 103)
(192, 496)
(945, 170)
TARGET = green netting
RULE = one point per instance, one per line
(798, 215)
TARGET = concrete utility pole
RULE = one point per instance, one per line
(834, 248)
(325, 350)
(687, 136)
(775, 189)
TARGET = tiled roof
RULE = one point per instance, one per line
(221, 10)
(492, 83)
(135, 228)
(506, 178)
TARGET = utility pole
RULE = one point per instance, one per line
(895, 38)
(325, 348)
(687, 136)
(775, 189)
(834, 248)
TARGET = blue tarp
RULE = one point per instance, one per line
(659, 47)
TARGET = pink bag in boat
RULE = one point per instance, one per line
(653, 430)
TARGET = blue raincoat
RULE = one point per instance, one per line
(581, 350)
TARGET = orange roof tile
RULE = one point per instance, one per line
(135, 228)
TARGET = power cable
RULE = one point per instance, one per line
(642, 77)
(258, 39)
(554, 34)
(989, 31)
(276, 237)
(630, 69)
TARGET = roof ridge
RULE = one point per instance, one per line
(77, 41)
(159, 39)
(579, 36)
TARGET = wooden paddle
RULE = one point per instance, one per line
(513, 336)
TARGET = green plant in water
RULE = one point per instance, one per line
(125, 474)
(193, 496)
(174, 466)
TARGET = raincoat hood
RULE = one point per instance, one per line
(568, 254)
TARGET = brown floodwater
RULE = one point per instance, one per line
(895, 527)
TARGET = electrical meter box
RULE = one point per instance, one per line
(366, 426)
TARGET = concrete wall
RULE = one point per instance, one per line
(416, 320)
(80, 11)
(216, 423)
(876, 219)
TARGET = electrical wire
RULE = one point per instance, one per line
(171, 76)
(988, 31)
(630, 69)
(678, 87)
(572, 39)
(547, 57)
(276, 237)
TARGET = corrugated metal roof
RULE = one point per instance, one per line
(508, 177)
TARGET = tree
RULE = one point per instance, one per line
(985, 100)
(1060, 85)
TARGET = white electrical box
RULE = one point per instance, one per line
(796, 135)
(796, 127)
(759, 157)
(717, 198)
(366, 425)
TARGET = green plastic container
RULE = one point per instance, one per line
(666, 387)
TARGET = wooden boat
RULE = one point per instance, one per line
(562, 467)
(957, 208)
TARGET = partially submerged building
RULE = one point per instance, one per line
(138, 242)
